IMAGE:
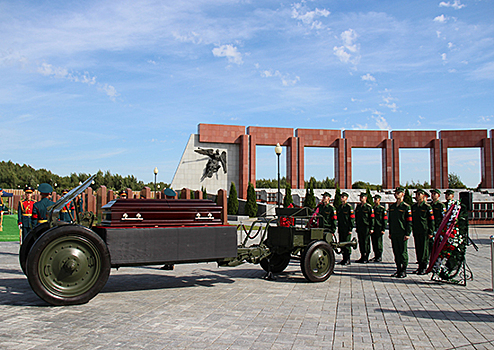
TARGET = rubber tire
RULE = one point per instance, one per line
(31, 237)
(278, 262)
(317, 261)
(89, 254)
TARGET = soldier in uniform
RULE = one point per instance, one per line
(346, 223)
(25, 212)
(449, 195)
(400, 227)
(67, 213)
(1, 209)
(40, 208)
(423, 229)
(364, 217)
(380, 221)
(122, 195)
(328, 214)
(439, 210)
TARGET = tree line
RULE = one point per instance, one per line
(16, 176)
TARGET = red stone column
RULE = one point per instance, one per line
(243, 176)
(436, 163)
(185, 194)
(291, 161)
(444, 164)
(222, 201)
(197, 194)
(301, 163)
(340, 163)
(252, 161)
(486, 163)
(348, 163)
(387, 163)
(396, 163)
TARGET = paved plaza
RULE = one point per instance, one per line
(201, 306)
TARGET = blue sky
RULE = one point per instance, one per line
(120, 85)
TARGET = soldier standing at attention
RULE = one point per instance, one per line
(423, 229)
(450, 196)
(380, 221)
(40, 210)
(67, 213)
(439, 210)
(25, 212)
(346, 222)
(1, 209)
(328, 213)
(400, 226)
(364, 217)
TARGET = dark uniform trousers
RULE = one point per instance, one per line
(380, 220)
(24, 214)
(439, 210)
(400, 219)
(422, 227)
(346, 223)
(364, 217)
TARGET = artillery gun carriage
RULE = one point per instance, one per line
(69, 264)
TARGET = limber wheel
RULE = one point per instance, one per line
(317, 261)
(28, 242)
(68, 265)
(275, 263)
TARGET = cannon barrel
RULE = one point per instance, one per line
(339, 245)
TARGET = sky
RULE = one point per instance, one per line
(120, 85)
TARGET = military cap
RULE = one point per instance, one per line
(123, 193)
(436, 191)
(65, 191)
(377, 196)
(326, 194)
(448, 192)
(420, 190)
(344, 194)
(169, 192)
(45, 188)
(28, 189)
(363, 194)
(399, 189)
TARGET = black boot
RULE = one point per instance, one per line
(423, 269)
(397, 273)
(361, 260)
(403, 272)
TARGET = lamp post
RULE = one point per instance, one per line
(155, 174)
(278, 150)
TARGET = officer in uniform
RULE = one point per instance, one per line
(328, 219)
(40, 210)
(400, 227)
(364, 217)
(67, 213)
(2, 208)
(346, 223)
(423, 229)
(122, 195)
(25, 212)
(380, 221)
(439, 210)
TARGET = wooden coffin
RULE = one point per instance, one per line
(161, 213)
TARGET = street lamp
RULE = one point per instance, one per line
(155, 174)
(278, 150)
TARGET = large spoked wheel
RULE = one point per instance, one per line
(28, 242)
(317, 261)
(68, 265)
(276, 263)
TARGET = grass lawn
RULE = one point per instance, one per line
(10, 229)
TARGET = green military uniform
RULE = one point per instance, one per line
(400, 226)
(422, 227)
(40, 209)
(364, 217)
(439, 210)
(25, 213)
(380, 221)
(346, 223)
(328, 219)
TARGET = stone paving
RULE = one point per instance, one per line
(201, 306)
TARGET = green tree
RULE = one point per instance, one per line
(337, 197)
(204, 193)
(251, 204)
(310, 199)
(370, 200)
(288, 197)
(233, 200)
(408, 198)
(454, 181)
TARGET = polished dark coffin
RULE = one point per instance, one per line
(148, 246)
(161, 213)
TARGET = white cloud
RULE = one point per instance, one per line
(110, 91)
(381, 123)
(388, 101)
(349, 52)
(444, 57)
(368, 77)
(450, 45)
(456, 4)
(441, 19)
(230, 52)
(307, 17)
(286, 79)
(486, 118)
(191, 37)
(484, 72)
